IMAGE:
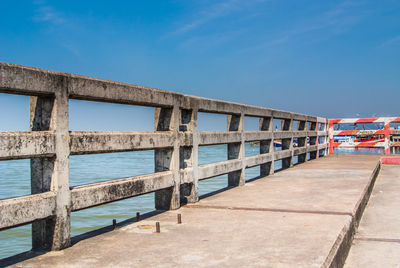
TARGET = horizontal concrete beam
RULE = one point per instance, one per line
(19, 79)
(311, 133)
(218, 137)
(257, 111)
(322, 146)
(322, 133)
(283, 134)
(281, 114)
(256, 160)
(299, 117)
(26, 209)
(32, 81)
(299, 134)
(214, 106)
(311, 118)
(87, 88)
(221, 137)
(86, 196)
(20, 145)
(220, 168)
(225, 107)
(257, 135)
(112, 141)
(299, 150)
(312, 148)
(278, 155)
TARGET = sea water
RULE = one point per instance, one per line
(85, 169)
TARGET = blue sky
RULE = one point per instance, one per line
(326, 58)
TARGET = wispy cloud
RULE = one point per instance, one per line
(211, 40)
(46, 13)
(54, 23)
(213, 12)
(337, 20)
(392, 41)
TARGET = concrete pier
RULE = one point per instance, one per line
(305, 216)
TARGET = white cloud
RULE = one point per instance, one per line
(45, 13)
(391, 41)
(213, 12)
(339, 19)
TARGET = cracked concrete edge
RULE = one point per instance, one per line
(341, 248)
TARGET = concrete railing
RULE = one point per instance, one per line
(175, 140)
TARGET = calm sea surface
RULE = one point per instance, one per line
(84, 169)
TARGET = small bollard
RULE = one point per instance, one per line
(114, 224)
(137, 216)
(157, 227)
(179, 218)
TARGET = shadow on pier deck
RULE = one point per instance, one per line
(305, 216)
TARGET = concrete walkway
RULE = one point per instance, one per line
(300, 217)
(377, 242)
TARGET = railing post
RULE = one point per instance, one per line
(302, 142)
(41, 109)
(317, 139)
(287, 144)
(313, 140)
(60, 180)
(267, 146)
(167, 119)
(51, 113)
(236, 150)
(189, 156)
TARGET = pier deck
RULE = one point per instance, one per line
(304, 216)
(377, 242)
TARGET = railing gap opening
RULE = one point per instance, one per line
(102, 116)
(15, 178)
(95, 218)
(295, 125)
(212, 185)
(94, 168)
(252, 173)
(252, 148)
(251, 123)
(213, 154)
(277, 165)
(296, 160)
(14, 112)
(16, 240)
(278, 124)
(211, 122)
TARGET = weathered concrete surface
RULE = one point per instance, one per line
(20, 210)
(33, 81)
(175, 140)
(294, 218)
(377, 242)
(86, 196)
(19, 145)
(333, 183)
